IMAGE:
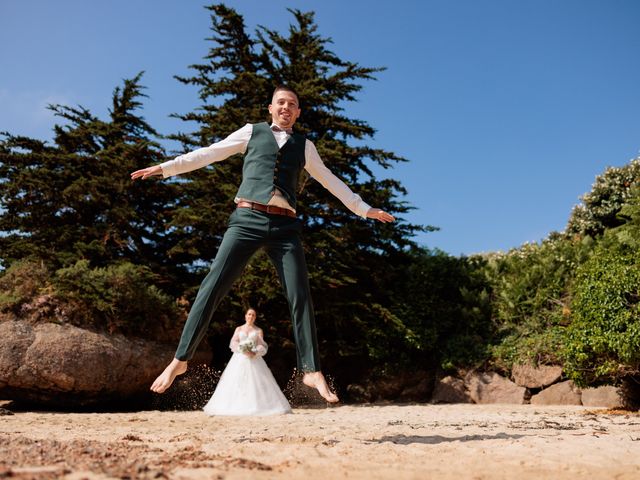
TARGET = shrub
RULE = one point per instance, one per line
(21, 282)
(532, 288)
(444, 302)
(120, 298)
(600, 207)
(603, 341)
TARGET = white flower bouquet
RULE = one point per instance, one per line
(247, 345)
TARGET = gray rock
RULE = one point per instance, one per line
(563, 393)
(359, 394)
(63, 365)
(451, 390)
(536, 377)
(417, 389)
(605, 396)
(493, 388)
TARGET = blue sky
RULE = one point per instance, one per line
(506, 110)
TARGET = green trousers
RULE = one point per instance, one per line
(250, 230)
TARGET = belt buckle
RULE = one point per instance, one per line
(273, 209)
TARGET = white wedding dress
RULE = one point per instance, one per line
(247, 386)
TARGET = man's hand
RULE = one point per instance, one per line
(380, 215)
(147, 172)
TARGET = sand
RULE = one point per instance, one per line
(352, 442)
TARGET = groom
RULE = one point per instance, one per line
(265, 217)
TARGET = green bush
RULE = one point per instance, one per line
(445, 303)
(120, 298)
(599, 209)
(21, 282)
(532, 289)
(603, 341)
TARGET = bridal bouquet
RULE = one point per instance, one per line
(247, 345)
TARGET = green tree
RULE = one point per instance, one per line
(74, 200)
(348, 258)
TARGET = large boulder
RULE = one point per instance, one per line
(563, 393)
(62, 365)
(493, 388)
(411, 386)
(451, 390)
(536, 377)
(605, 396)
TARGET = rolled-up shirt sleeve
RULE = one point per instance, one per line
(234, 143)
(318, 170)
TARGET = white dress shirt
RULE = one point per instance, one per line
(237, 143)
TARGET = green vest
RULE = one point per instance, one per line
(267, 167)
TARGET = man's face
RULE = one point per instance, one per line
(284, 109)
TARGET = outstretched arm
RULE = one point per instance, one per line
(234, 143)
(380, 215)
(145, 173)
(318, 170)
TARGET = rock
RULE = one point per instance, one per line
(17, 337)
(451, 390)
(63, 365)
(359, 394)
(536, 377)
(493, 388)
(389, 388)
(605, 396)
(413, 386)
(417, 388)
(564, 393)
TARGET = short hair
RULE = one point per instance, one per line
(285, 88)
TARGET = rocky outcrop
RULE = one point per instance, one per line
(605, 396)
(415, 386)
(451, 390)
(493, 388)
(62, 365)
(563, 393)
(536, 377)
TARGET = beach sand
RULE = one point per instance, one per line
(417, 441)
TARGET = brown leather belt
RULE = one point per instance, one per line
(266, 208)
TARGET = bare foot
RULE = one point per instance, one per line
(166, 378)
(316, 380)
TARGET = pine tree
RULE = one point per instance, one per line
(74, 199)
(350, 260)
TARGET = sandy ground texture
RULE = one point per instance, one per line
(350, 442)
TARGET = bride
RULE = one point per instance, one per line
(247, 386)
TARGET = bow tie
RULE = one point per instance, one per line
(276, 128)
